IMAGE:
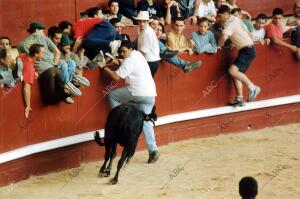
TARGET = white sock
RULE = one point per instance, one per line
(251, 86)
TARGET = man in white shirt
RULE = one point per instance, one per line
(147, 41)
(235, 29)
(140, 89)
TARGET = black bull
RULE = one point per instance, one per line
(124, 125)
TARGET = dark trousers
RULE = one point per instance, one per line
(51, 86)
(296, 37)
(153, 67)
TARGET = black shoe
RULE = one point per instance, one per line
(153, 157)
(238, 102)
(168, 54)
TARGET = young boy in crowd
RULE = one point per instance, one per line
(113, 8)
(204, 39)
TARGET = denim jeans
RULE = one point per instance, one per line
(145, 103)
(173, 60)
(67, 69)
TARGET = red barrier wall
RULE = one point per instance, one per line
(16, 15)
(275, 71)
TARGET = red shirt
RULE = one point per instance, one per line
(274, 30)
(85, 26)
(28, 69)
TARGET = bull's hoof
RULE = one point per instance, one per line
(104, 174)
(113, 181)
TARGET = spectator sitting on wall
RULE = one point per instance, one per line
(217, 29)
(207, 9)
(275, 32)
(259, 32)
(203, 38)
(248, 188)
(238, 33)
(170, 11)
(119, 27)
(26, 65)
(140, 88)
(84, 26)
(5, 42)
(176, 39)
(113, 12)
(128, 9)
(153, 8)
(170, 56)
(53, 90)
(68, 62)
(238, 13)
(7, 62)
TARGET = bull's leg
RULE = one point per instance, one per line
(112, 156)
(103, 172)
(120, 164)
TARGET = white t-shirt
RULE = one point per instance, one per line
(237, 32)
(148, 44)
(137, 75)
(259, 35)
(205, 10)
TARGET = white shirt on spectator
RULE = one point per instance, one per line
(205, 10)
(237, 32)
(148, 44)
(137, 75)
(259, 35)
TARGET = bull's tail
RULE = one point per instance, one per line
(150, 117)
(98, 139)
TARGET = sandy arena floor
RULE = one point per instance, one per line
(207, 168)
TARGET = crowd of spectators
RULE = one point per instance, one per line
(97, 40)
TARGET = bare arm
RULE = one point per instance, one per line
(26, 95)
(280, 42)
(222, 40)
(77, 44)
(56, 56)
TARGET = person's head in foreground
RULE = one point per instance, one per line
(248, 188)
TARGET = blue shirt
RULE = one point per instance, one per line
(204, 43)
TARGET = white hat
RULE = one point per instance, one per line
(143, 15)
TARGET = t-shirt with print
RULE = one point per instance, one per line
(259, 35)
(237, 32)
(154, 9)
(137, 75)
